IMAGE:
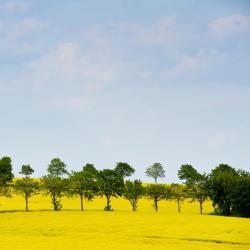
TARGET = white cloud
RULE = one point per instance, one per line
(94, 87)
(71, 103)
(160, 33)
(71, 77)
(98, 72)
(231, 24)
(67, 64)
(20, 39)
(26, 26)
(13, 7)
(12, 30)
(114, 53)
(157, 33)
(166, 23)
(188, 65)
(67, 59)
(146, 75)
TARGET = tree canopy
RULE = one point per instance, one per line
(110, 183)
(155, 171)
(83, 183)
(26, 187)
(222, 182)
(196, 184)
(54, 184)
(26, 170)
(57, 168)
(124, 169)
(133, 191)
(6, 174)
(156, 192)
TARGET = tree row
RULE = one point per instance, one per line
(226, 187)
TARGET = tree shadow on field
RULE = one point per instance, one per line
(11, 211)
(63, 210)
(156, 237)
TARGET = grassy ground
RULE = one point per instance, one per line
(121, 229)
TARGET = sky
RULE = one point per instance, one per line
(135, 81)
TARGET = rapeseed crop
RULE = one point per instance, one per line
(122, 228)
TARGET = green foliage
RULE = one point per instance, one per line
(222, 182)
(198, 190)
(110, 183)
(133, 191)
(83, 183)
(26, 187)
(188, 173)
(228, 189)
(89, 169)
(56, 188)
(196, 184)
(54, 184)
(156, 192)
(241, 195)
(6, 176)
(57, 168)
(178, 193)
(124, 169)
(155, 171)
(26, 170)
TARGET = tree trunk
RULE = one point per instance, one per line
(134, 206)
(26, 204)
(156, 204)
(81, 202)
(227, 209)
(201, 207)
(155, 180)
(179, 206)
(108, 206)
(54, 202)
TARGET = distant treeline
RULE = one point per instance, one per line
(226, 187)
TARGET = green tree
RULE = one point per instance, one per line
(90, 170)
(26, 170)
(110, 183)
(156, 171)
(178, 194)
(241, 195)
(156, 192)
(124, 169)
(26, 187)
(187, 172)
(222, 182)
(6, 176)
(57, 168)
(196, 183)
(83, 183)
(133, 191)
(54, 184)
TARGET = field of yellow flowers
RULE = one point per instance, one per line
(94, 228)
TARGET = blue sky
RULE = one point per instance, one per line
(138, 81)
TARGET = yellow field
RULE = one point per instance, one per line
(121, 229)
